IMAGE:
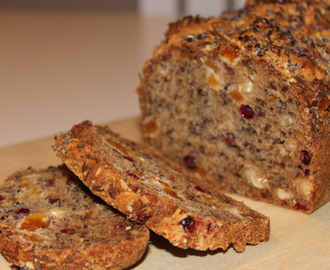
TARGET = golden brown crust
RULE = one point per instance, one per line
(49, 220)
(142, 184)
(288, 39)
(271, 32)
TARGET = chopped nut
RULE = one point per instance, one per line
(56, 212)
(286, 120)
(30, 265)
(283, 195)
(254, 179)
(291, 145)
(304, 187)
(163, 68)
(98, 171)
(246, 88)
(124, 185)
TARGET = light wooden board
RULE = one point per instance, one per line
(297, 241)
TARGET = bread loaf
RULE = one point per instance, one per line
(243, 100)
(50, 220)
(151, 189)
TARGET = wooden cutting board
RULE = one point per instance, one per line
(297, 241)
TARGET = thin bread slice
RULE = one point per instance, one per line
(143, 184)
(50, 220)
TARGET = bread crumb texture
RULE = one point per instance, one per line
(243, 100)
(50, 220)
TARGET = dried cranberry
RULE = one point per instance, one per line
(68, 231)
(188, 224)
(22, 211)
(53, 200)
(201, 190)
(230, 139)
(246, 111)
(305, 157)
(299, 206)
(130, 173)
(190, 162)
(50, 183)
(128, 158)
(2, 198)
(306, 172)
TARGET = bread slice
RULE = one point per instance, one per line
(50, 220)
(243, 100)
(151, 189)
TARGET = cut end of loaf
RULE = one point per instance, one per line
(241, 101)
(49, 220)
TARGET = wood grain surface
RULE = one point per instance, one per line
(297, 241)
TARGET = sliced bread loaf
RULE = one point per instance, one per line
(50, 220)
(243, 100)
(151, 189)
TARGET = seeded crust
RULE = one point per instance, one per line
(243, 100)
(49, 220)
(150, 189)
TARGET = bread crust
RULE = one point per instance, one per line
(49, 220)
(288, 40)
(149, 188)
